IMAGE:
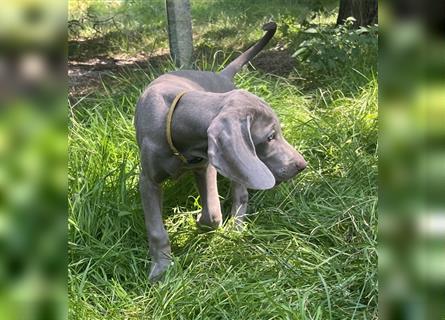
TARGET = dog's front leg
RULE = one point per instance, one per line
(239, 203)
(159, 243)
(208, 189)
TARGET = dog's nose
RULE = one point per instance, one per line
(301, 164)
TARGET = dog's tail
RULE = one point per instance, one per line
(237, 64)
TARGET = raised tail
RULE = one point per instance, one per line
(237, 64)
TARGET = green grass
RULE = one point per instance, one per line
(309, 250)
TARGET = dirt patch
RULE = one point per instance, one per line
(85, 76)
(276, 61)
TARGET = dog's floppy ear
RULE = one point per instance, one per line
(231, 151)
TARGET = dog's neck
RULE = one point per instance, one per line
(191, 119)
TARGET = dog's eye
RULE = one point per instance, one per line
(271, 136)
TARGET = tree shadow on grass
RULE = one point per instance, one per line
(221, 34)
(99, 46)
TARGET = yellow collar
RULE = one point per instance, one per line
(169, 127)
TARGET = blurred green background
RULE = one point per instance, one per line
(412, 161)
(33, 160)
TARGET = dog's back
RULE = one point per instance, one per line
(191, 80)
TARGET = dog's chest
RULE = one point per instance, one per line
(193, 164)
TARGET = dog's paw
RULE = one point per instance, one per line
(207, 222)
(239, 225)
(158, 269)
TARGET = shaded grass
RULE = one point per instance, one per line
(138, 25)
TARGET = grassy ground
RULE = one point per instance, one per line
(309, 249)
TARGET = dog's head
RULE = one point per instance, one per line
(245, 144)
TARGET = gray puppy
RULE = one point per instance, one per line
(214, 128)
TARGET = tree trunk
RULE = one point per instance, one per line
(364, 12)
(180, 32)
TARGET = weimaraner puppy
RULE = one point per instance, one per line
(214, 128)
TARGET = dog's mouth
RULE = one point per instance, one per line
(285, 177)
(279, 179)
